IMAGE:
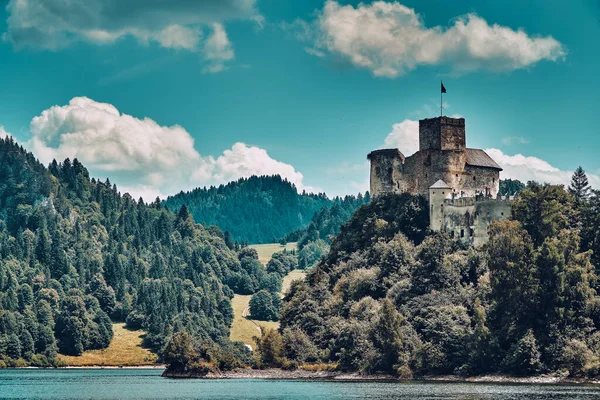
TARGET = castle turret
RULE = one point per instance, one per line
(386, 169)
(442, 133)
(438, 192)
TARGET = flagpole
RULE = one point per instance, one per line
(441, 103)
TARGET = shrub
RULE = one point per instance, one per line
(264, 306)
(269, 349)
(578, 359)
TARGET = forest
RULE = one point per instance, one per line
(76, 255)
(259, 209)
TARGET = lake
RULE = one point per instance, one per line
(147, 384)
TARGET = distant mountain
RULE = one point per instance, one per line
(259, 209)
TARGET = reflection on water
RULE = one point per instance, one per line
(147, 384)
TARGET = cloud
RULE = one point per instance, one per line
(175, 24)
(314, 52)
(404, 136)
(390, 39)
(53, 24)
(217, 49)
(141, 156)
(527, 168)
(508, 140)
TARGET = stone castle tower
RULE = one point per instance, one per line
(461, 184)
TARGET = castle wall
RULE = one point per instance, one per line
(427, 167)
(453, 134)
(475, 180)
(386, 171)
(468, 220)
(429, 134)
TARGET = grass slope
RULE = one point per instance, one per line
(244, 329)
(125, 349)
(265, 251)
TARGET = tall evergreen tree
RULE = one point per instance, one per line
(579, 187)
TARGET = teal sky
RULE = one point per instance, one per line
(317, 86)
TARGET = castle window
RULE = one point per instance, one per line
(493, 180)
(457, 175)
(502, 214)
(471, 232)
(452, 234)
(443, 192)
(462, 233)
(474, 178)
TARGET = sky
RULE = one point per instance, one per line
(163, 96)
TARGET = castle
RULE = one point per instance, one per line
(461, 184)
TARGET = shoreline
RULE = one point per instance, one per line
(337, 376)
(148, 366)
(302, 375)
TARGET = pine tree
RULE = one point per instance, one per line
(579, 188)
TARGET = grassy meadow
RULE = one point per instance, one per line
(244, 329)
(125, 349)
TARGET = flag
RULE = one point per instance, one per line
(443, 88)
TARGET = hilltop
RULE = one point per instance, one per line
(259, 209)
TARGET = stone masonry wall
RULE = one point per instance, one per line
(472, 221)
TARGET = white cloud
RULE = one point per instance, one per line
(141, 156)
(176, 24)
(177, 36)
(217, 50)
(3, 133)
(404, 136)
(390, 39)
(53, 24)
(527, 168)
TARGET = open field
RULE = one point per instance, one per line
(125, 349)
(243, 329)
(265, 251)
(292, 276)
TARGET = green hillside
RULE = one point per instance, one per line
(76, 255)
(259, 209)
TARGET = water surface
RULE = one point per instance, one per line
(147, 384)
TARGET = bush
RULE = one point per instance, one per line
(264, 306)
(311, 253)
(298, 346)
(179, 353)
(578, 359)
(269, 349)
